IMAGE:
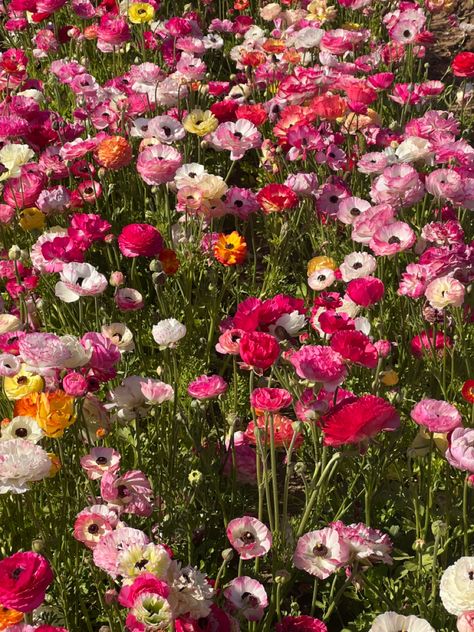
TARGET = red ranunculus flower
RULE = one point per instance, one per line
(356, 419)
(365, 291)
(282, 431)
(463, 64)
(276, 198)
(356, 347)
(259, 350)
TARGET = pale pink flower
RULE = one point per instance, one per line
(99, 461)
(93, 523)
(399, 185)
(367, 545)
(445, 183)
(445, 291)
(460, 453)
(207, 387)
(249, 537)
(128, 299)
(236, 137)
(357, 265)
(246, 596)
(229, 341)
(130, 492)
(42, 353)
(436, 415)
(371, 220)
(79, 279)
(414, 280)
(321, 553)
(392, 238)
(156, 392)
(351, 208)
(157, 164)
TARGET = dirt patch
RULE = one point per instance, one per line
(454, 32)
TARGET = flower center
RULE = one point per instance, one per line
(141, 564)
(247, 537)
(15, 574)
(122, 491)
(394, 240)
(357, 265)
(333, 199)
(320, 550)
(22, 380)
(93, 528)
(101, 460)
(21, 432)
(355, 212)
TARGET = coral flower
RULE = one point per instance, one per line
(230, 250)
(282, 431)
(114, 153)
(276, 198)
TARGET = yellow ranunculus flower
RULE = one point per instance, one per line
(54, 412)
(32, 218)
(22, 384)
(200, 123)
(319, 263)
(389, 378)
(140, 12)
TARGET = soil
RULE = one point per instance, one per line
(451, 38)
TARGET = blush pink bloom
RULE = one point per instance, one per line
(259, 350)
(109, 548)
(75, 384)
(140, 240)
(43, 353)
(236, 137)
(445, 291)
(249, 537)
(78, 280)
(392, 238)
(270, 400)
(157, 164)
(399, 185)
(99, 461)
(445, 183)
(128, 299)
(355, 347)
(207, 387)
(130, 492)
(465, 622)
(24, 579)
(460, 453)
(156, 392)
(93, 523)
(436, 415)
(414, 280)
(371, 220)
(229, 341)
(247, 597)
(319, 364)
(321, 553)
(365, 291)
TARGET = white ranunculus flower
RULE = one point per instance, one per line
(457, 586)
(190, 592)
(167, 333)
(21, 463)
(80, 355)
(393, 622)
(357, 265)
(79, 279)
(120, 335)
(414, 148)
(21, 427)
(9, 322)
(13, 156)
(292, 323)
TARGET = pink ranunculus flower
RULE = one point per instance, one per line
(157, 164)
(79, 279)
(355, 347)
(270, 400)
(229, 341)
(436, 415)
(130, 492)
(93, 523)
(460, 453)
(465, 622)
(43, 352)
(156, 392)
(128, 299)
(319, 364)
(321, 553)
(207, 387)
(24, 579)
(140, 240)
(392, 238)
(236, 137)
(445, 291)
(399, 185)
(365, 291)
(145, 583)
(243, 454)
(99, 461)
(259, 350)
(249, 537)
(75, 384)
(303, 623)
(109, 548)
(246, 596)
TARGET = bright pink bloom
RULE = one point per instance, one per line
(392, 238)
(460, 453)
(75, 384)
(130, 492)
(436, 415)
(207, 387)
(429, 343)
(365, 291)
(355, 347)
(302, 623)
(24, 579)
(93, 523)
(140, 240)
(249, 537)
(319, 364)
(270, 400)
(144, 583)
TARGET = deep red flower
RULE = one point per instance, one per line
(468, 391)
(463, 64)
(357, 419)
(224, 111)
(356, 347)
(259, 350)
(255, 113)
(365, 291)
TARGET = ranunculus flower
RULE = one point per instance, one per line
(207, 387)
(366, 291)
(24, 579)
(356, 347)
(465, 622)
(436, 415)
(319, 364)
(249, 537)
(303, 623)
(282, 431)
(321, 553)
(270, 400)
(246, 596)
(429, 342)
(357, 419)
(445, 291)
(457, 588)
(140, 240)
(463, 64)
(259, 350)
(460, 453)
(276, 198)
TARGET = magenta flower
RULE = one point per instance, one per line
(270, 400)
(140, 240)
(249, 537)
(24, 579)
(436, 415)
(207, 387)
(129, 493)
(321, 553)
(460, 453)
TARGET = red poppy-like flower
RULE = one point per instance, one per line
(329, 107)
(276, 198)
(282, 431)
(259, 350)
(357, 419)
(356, 347)
(463, 64)
(429, 342)
(468, 391)
(255, 113)
(365, 291)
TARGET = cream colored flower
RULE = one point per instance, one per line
(457, 586)
(13, 157)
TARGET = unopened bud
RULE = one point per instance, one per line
(37, 546)
(227, 554)
(439, 528)
(282, 576)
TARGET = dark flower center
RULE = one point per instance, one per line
(394, 240)
(21, 432)
(15, 574)
(247, 537)
(357, 265)
(333, 199)
(238, 135)
(141, 564)
(22, 380)
(355, 212)
(238, 203)
(320, 550)
(101, 460)
(166, 131)
(122, 491)
(93, 528)
(406, 33)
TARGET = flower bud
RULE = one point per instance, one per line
(37, 545)
(439, 528)
(282, 576)
(155, 266)
(227, 555)
(116, 279)
(14, 254)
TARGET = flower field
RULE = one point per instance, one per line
(236, 314)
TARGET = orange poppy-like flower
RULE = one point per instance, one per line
(292, 56)
(328, 106)
(54, 412)
(241, 5)
(272, 45)
(253, 58)
(319, 263)
(230, 250)
(90, 32)
(114, 153)
(467, 391)
(9, 617)
(169, 261)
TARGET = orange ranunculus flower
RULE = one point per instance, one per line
(253, 58)
(355, 122)
(54, 412)
(328, 106)
(56, 464)
(114, 152)
(230, 250)
(241, 5)
(90, 32)
(272, 45)
(169, 261)
(292, 56)
(9, 617)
